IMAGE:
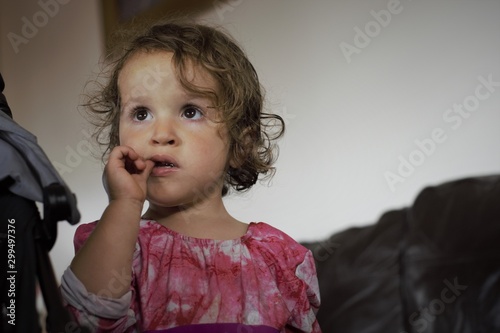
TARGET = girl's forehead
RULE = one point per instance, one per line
(142, 66)
(155, 66)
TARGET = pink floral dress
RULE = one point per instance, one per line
(261, 282)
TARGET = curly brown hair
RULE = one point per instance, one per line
(239, 97)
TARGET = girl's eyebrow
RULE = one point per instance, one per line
(129, 100)
(194, 94)
(200, 99)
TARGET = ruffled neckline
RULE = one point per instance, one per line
(177, 235)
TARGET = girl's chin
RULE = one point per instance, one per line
(168, 198)
(174, 195)
(161, 203)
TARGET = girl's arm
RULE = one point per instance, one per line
(108, 251)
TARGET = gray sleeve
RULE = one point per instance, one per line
(75, 294)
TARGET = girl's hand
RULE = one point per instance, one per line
(126, 174)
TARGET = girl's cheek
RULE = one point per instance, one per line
(126, 134)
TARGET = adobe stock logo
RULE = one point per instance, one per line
(74, 156)
(31, 27)
(372, 29)
(455, 116)
(222, 6)
(420, 320)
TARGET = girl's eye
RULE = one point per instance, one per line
(140, 114)
(192, 112)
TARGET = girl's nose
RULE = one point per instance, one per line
(164, 134)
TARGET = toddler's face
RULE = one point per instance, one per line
(174, 128)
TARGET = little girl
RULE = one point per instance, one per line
(183, 111)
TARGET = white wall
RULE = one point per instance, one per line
(348, 122)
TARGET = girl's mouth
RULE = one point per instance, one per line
(164, 165)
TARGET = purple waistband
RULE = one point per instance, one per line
(218, 328)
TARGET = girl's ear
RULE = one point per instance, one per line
(235, 159)
(234, 165)
(241, 148)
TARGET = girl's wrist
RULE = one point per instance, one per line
(127, 205)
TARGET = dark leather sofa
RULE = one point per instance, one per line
(433, 267)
